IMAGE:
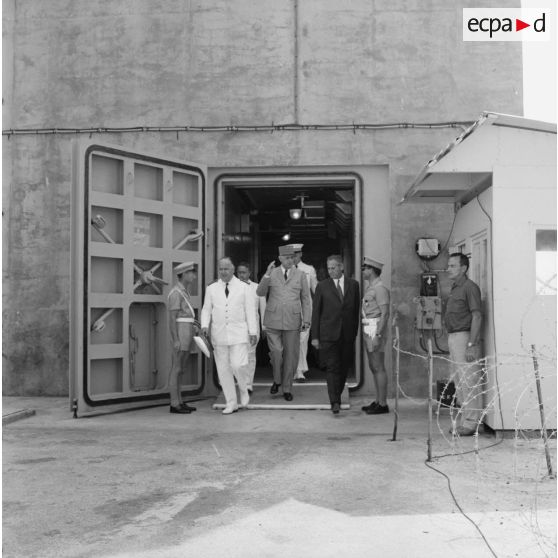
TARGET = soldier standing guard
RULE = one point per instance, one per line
(375, 317)
(181, 326)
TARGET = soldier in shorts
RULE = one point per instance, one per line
(375, 317)
(181, 326)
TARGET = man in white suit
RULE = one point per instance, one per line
(286, 314)
(312, 279)
(229, 309)
(243, 272)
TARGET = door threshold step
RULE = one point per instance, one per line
(286, 405)
(305, 396)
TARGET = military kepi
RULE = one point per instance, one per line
(183, 267)
(286, 250)
(374, 263)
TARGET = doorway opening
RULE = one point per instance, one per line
(256, 213)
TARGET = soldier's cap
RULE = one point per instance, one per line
(183, 267)
(297, 247)
(286, 250)
(374, 263)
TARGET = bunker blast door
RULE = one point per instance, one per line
(134, 217)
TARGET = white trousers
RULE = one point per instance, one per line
(231, 362)
(302, 362)
(250, 368)
(468, 379)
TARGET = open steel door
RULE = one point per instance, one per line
(134, 218)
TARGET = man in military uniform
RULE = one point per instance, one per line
(181, 326)
(375, 318)
(312, 280)
(287, 313)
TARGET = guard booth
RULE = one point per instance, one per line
(500, 175)
(134, 218)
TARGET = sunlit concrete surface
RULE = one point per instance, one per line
(293, 528)
(267, 483)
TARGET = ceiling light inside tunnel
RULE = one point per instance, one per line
(296, 212)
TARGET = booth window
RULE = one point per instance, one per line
(546, 262)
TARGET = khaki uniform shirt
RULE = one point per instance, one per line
(375, 295)
(177, 301)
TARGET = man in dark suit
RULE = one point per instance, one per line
(287, 312)
(335, 320)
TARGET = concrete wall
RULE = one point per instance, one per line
(99, 63)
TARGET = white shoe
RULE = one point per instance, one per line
(244, 399)
(229, 410)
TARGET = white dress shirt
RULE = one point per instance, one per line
(341, 282)
(259, 302)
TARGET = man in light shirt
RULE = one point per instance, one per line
(243, 272)
(463, 320)
(312, 280)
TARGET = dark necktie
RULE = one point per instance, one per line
(285, 274)
(226, 289)
(339, 289)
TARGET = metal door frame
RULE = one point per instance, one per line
(277, 178)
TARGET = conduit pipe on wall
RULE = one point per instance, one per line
(296, 62)
(256, 128)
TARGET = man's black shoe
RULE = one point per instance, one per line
(288, 396)
(371, 406)
(378, 410)
(335, 408)
(274, 388)
(187, 407)
(180, 410)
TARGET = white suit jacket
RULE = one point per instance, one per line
(231, 318)
(310, 273)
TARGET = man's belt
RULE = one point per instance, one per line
(186, 320)
(370, 326)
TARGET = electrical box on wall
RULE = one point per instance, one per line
(428, 312)
(429, 284)
(427, 248)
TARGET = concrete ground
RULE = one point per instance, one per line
(266, 483)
